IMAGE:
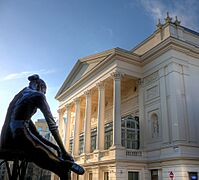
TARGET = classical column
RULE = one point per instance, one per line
(87, 122)
(101, 114)
(67, 127)
(60, 123)
(116, 109)
(76, 128)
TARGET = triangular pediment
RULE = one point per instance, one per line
(82, 68)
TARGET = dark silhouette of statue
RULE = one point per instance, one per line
(19, 132)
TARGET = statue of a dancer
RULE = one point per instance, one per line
(19, 132)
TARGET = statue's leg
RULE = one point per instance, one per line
(67, 177)
(41, 155)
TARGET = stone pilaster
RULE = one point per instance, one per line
(176, 102)
(163, 104)
(140, 83)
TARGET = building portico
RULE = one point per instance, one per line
(95, 108)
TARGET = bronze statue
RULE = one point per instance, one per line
(19, 132)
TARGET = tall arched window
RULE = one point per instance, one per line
(130, 132)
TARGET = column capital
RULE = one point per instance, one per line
(116, 75)
(59, 111)
(76, 100)
(87, 93)
(68, 107)
(100, 85)
(140, 81)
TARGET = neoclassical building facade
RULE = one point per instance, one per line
(133, 115)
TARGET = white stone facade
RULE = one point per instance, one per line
(134, 114)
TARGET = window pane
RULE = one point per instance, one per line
(93, 139)
(108, 135)
(133, 175)
(123, 123)
(90, 176)
(106, 176)
(81, 143)
(154, 174)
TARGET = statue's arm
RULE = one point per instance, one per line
(45, 109)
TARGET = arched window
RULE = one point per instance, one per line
(154, 125)
(130, 132)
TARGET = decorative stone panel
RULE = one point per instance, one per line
(152, 91)
(151, 78)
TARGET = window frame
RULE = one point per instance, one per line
(81, 143)
(130, 132)
(93, 139)
(137, 172)
(108, 135)
(106, 173)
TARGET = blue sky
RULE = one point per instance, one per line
(48, 36)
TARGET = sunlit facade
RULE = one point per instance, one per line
(133, 115)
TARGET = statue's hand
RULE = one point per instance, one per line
(59, 153)
(67, 156)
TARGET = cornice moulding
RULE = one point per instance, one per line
(169, 44)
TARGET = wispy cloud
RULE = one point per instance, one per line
(186, 10)
(24, 74)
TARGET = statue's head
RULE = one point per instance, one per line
(37, 84)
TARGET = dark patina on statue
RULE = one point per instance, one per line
(19, 132)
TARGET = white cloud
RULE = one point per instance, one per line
(156, 9)
(24, 74)
(186, 10)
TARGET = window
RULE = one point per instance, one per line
(154, 174)
(108, 135)
(133, 175)
(71, 145)
(106, 175)
(90, 176)
(93, 139)
(81, 143)
(193, 176)
(130, 132)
